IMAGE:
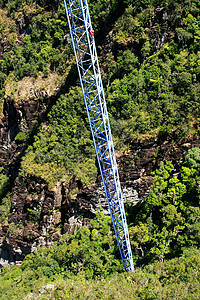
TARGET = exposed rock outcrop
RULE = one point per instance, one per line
(18, 117)
(39, 215)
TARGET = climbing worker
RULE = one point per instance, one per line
(91, 32)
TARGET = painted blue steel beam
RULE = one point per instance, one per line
(83, 42)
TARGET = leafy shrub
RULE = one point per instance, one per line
(169, 220)
(4, 183)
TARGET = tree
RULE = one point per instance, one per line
(4, 183)
(168, 220)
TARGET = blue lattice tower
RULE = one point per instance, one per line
(82, 37)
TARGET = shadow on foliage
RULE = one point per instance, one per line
(70, 81)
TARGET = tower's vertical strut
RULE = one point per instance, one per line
(83, 42)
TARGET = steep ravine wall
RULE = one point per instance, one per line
(23, 116)
(38, 215)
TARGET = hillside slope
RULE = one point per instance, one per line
(149, 54)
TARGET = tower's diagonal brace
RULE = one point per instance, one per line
(89, 72)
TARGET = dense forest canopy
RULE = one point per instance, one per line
(149, 53)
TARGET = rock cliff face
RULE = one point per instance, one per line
(38, 215)
(18, 117)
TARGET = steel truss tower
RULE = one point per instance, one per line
(82, 37)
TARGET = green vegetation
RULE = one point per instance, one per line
(168, 222)
(163, 90)
(155, 87)
(4, 183)
(169, 280)
(150, 59)
(84, 265)
(151, 89)
(5, 209)
(63, 146)
(164, 235)
(42, 50)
